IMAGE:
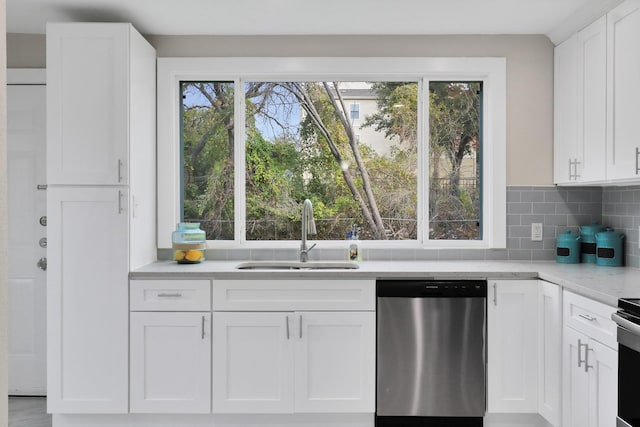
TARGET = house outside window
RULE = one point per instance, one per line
(354, 111)
(412, 172)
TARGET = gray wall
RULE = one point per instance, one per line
(529, 75)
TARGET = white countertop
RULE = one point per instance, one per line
(604, 284)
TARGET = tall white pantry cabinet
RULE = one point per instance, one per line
(101, 83)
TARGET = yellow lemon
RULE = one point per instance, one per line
(178, 255)
(193, 255)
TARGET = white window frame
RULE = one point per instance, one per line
(491, 71)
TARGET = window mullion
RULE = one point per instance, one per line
(423, 160)
(239, 161)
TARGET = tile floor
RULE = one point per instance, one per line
(28, 412)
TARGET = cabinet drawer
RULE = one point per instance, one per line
(289, 295)
(170, 295)
(591, 318)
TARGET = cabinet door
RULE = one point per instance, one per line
(87, 300)
(623, 106)
(575, 380)
(565, 111)
(170, 362)
(87, 103)
(512, 366)
(592, 101)
(549, 351)
(335, 362)
(603, 385)
(253, 362)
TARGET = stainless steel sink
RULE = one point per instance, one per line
(297, 265)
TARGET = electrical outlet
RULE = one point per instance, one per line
(536, 231)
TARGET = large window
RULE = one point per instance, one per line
(413, 158)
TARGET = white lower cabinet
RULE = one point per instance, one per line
(285, 362)
(279, 348)
(512, 366)
(549, 352)
(170, 362)
(252, 362)
(335, 362)
(590, 368)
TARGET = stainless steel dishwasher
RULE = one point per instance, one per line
(431, 353)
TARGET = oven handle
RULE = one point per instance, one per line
(627, 324)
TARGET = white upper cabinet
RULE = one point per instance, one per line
(597, 101)
(565, 155)
(623, 58)
(580, 106)
(91, 71)
(592, 99)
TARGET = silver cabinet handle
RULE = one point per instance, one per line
(202, 327)
(495, 294)
(587, 317)
(580, 361)
(120, 208)
(41, 186)
(119, 170)
(300, 325)
(168, 295)
(288, 336)
(637, 154)
(570, 164)
(586, 358)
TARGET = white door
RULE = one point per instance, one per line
(87, 300)
(565, 147)
(592, 100)
(623, 93)
(335, 362)
(575, 390)
(27, 205)
(512, 340)
(549, 351)
(170, 362)
(88, 101)
(253, 362)
(603, 385)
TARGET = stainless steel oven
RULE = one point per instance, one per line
(628, 320)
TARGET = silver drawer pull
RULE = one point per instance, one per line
(174, 295)
(587, 317)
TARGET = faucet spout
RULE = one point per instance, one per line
(308, 227)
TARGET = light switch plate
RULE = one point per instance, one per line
(536, 231)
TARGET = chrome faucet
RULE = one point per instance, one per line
(308, 227)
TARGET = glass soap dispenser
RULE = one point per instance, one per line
(354, 247)
(189, 243)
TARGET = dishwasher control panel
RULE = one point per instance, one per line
(431, 288)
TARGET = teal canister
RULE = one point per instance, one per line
(610, 248)
(568, 248)
(588, 245)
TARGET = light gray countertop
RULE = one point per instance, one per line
(604, 284)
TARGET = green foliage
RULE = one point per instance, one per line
(284, 169)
